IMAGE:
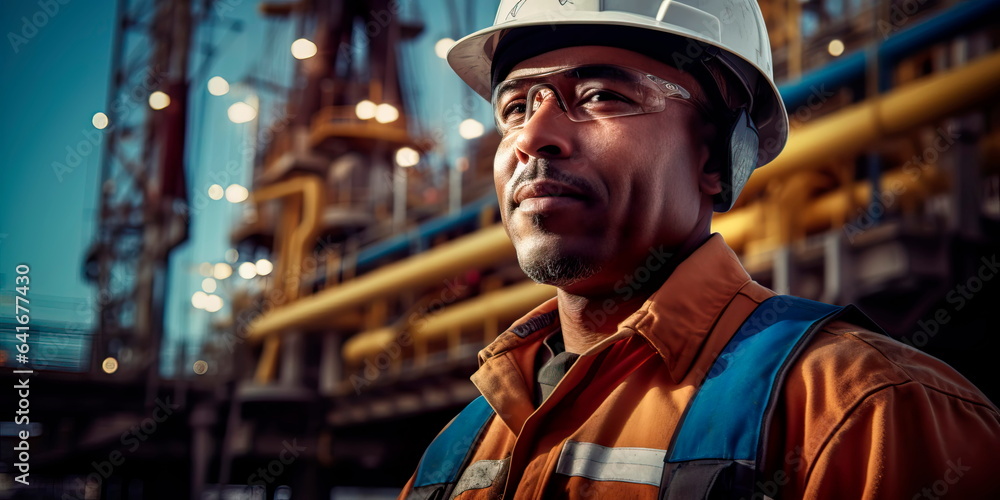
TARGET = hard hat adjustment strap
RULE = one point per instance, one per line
(741, 144)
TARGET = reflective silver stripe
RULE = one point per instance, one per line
(481, 474)
(601, 463)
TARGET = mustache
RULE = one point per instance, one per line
(543, 169)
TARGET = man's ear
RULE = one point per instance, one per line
(710, 174)
(710, 182)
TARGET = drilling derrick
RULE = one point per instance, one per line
(143, 199)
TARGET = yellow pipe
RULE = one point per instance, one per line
(794, 192)
(508, 303)
(899, 187)
(482, 248)
(737, 225)
(853, 129)
(288, 275)
(311, 190)
(268, 363)
(368, 343)
(906, 186)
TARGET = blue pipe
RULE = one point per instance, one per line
(420, 234)
(962, 17)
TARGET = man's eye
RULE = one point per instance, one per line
(513, 111)
(603, 96)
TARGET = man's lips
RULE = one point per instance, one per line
(546, 189)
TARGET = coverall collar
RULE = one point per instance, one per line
(675, 320)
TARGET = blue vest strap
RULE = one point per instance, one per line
(719, 443)
(447, 454)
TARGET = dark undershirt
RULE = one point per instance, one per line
(552, 363)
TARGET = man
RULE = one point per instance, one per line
(622, 131)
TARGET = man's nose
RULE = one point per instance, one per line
(546, 130)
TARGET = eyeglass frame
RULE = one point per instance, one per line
(670, 90)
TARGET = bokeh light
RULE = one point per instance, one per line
(236, 193)
(247, 270)
(241, 112)
(222, 271)
(159, 100)
(442, 47)
(264, 267)
(218, 85)
(407, 157)
(100, 120)
(386, 113)
(303, 48)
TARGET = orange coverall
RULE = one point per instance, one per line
(861, 416)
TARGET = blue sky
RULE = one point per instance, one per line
(55, 71)
(51, 87)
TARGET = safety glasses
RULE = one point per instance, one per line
(584, 93)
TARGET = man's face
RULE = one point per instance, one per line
(585, 202)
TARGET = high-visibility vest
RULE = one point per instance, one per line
(717, 451)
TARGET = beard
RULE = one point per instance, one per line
(558, 271)
(550, 267)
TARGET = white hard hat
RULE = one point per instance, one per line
(731, 32)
